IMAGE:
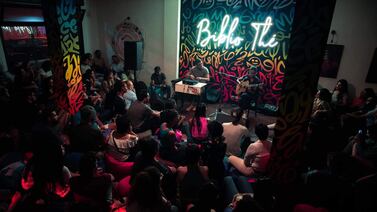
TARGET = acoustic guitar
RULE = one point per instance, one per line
(244, 86)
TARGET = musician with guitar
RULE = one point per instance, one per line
(247, 88)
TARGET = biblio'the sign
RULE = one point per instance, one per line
(226, 34)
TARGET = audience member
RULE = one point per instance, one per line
(108, 82)
(99, 63)
(234, 134)
(158, 81)
(145, 194)
(92, 186)
(122, 142)
(130, 96)
(322, 103)
(86, 137)
(198, 124)
(257, 154)
(86, 63)
(214, 152)
(340, 97)
(119, 103)
(208, 200)
(45, 181)
(147, 157)
(140, 113)
(363, 146)
(191, 177)
(117, 66)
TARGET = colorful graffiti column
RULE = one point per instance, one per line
(234, 36)
(62, 19)
(309, 36)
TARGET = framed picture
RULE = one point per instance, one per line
(372, 73)
(331, 60)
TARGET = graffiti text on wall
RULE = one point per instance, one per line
(72, 98)
(233, 36)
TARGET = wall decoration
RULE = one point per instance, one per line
(234, 36)
(331, 60)
(372, 73)
(125, 31)
(61, 18)
(300, 86)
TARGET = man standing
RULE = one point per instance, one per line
(158, 81)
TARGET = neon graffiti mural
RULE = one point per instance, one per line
(69, 41)
(299, 89)
(233, 36)
(63, 38)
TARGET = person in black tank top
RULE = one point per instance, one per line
(191, 177)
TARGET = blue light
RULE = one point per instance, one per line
(25, 19)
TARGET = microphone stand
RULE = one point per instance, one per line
(219, 107)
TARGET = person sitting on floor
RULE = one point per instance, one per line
(257, 154)
(170, 138)
(158, 81)
(198, 124)
(45, 180)
(130, 95)
(140, 113)
(146, 193)
(85, 137)
(192, 176)
(117, 66)
(99, 63)
(214, 152)
(234, 133)
(122, 143)
(92, 186)
(322, 103)
(339, 97)
(358, 103)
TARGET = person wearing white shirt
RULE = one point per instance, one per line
(85, 64)
(130, 95)
(116, 65)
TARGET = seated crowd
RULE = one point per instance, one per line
(120, 154)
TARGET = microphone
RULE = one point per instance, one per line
(225, 74)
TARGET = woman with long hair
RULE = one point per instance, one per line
(339, 97)
(199, 123)
(192, 176)
(45, 180)
(214, 152)
(146, 193)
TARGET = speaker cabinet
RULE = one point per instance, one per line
(133, 55)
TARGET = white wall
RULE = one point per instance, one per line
(157, 20)
(355, 23)
(171, 37)
(3, 62)
(90, 26)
